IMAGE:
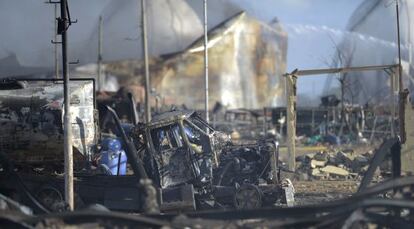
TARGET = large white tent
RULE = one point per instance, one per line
(373, 41)
(172, 26)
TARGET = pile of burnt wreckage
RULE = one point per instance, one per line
(388, 204)
(177, 162)
(177, 165)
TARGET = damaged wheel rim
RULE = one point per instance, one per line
(248, 196)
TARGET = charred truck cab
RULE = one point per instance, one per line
(181, 148)
(206, 169)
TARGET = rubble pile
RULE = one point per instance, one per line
(325, 165)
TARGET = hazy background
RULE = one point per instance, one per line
(314, 28)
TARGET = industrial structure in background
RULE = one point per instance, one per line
(251, 76)
(371, 45)
(141, 145)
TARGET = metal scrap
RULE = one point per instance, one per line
(31, 119)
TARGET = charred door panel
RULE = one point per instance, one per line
(171, 156)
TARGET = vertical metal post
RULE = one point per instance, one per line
(99, 84)
(362, 119)
(291, 120)
(399, 46)
(392, 104)
(206, 59)
(282, 137)
(56, 45)
(69, 197)
(342, 82)
(145, 52)
(401, 108)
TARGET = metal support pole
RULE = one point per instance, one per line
(206, 60)
(400, 81)
(392, 97)
(362, 119)
(282, 135)
(99, 84)
(69, 196)
(56, 45)
(145, 51)
(399, 46)
(291, 120)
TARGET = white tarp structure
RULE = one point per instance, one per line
(172, 26)
(374, 42)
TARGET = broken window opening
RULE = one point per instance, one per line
(167, 138)
(200, 123)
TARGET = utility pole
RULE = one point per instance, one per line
(64, 23)
(100, 54)
(56, 45)
(392, 96)
(399, 46)
(342, 82)
(206, 60)
(145, 51)
(291, 119)
(401, 95)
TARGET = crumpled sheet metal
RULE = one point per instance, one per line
(31, 121)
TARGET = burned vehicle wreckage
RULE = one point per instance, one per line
(179, 164)
(178, 161)
(184, 150)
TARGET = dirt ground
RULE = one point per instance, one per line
(312, 192)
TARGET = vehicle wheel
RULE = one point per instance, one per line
(51, 198)
(248, 196)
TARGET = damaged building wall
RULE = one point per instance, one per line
(246, 61)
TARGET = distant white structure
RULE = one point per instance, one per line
(374, 42)
(172, 26)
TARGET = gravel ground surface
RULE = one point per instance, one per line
(313, 192)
